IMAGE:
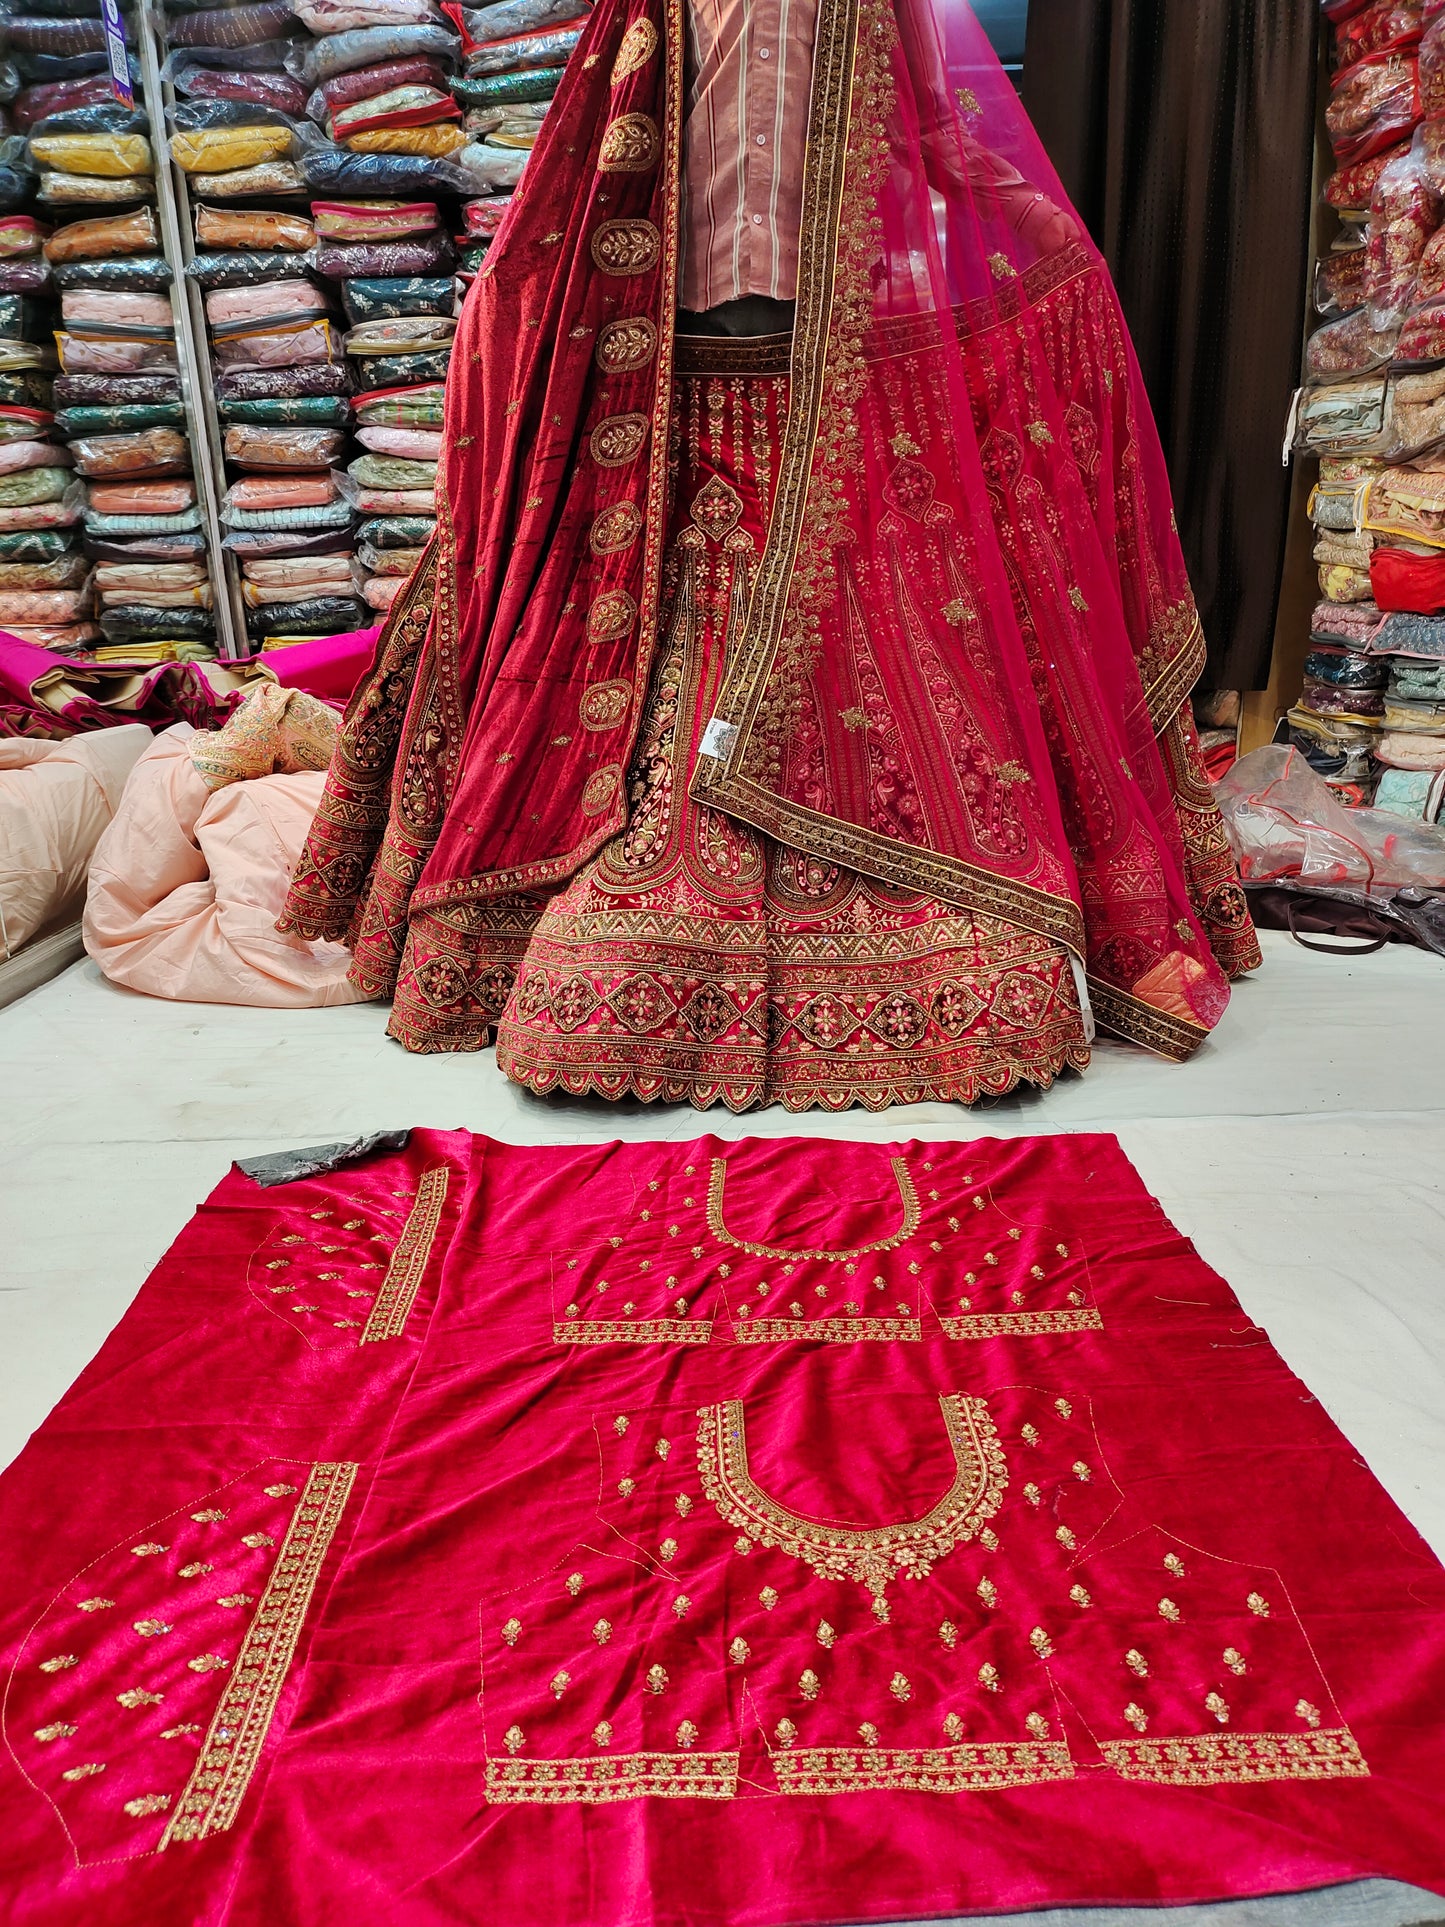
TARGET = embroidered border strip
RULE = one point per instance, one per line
(952, 1769)
(238, 1729)
(597, 1782)
(409, 1260)
(833, 1331)
(1020, 1324)
(643, 1331)
(1239, 1759)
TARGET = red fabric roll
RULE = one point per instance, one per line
(1411, 584)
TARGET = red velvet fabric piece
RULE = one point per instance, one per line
(1407, 582)
(1042, 1581)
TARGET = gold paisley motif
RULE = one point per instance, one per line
(639, 44)
(600, 789)
(618, 440)
(604, 704)
(616, 528)
(611, 616)
(630, 145)
(625, 345)
(626, 247)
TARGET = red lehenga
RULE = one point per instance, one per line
(786, 720)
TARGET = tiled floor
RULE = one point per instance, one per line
(1303, 1150)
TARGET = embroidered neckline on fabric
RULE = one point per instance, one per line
(715, 1224)
(871, 1555)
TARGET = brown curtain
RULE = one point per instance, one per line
(1183, 131)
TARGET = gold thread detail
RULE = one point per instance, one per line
(719, 1230)
(871, 1555)
(409, 1260)
(638, 46)
(598, 1782)
(954, 1769)
(237, 1733)
(1239, 1759)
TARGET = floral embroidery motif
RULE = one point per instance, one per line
(717, 1226)
(624, 346)
(638, 46)
(630, 145)
(626, 247)
(870, 1555)
(397, 1295)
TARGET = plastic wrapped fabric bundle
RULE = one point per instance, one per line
(256, 384)
(375, 220)
(69, 640)
(311, 411)
(21, 357)
(391, 471)
(294, 571)
(21, 234)
(391, 501)
(136, 619)
(127, 273)
(1346, 669)
(147, 581)
(24, 320)
(23, 424)
(1373, 106)
(1405, 211)
(421, 407)
(88, 355)
(401, 371)
(505, 126)
(32, 485)
(283, 448)
(279, 91)
(106, 117)
(410, 334)
(508, 18)
(267, 345)
(135, 233)
(229, 26)
(18, 455)
(111, 308)
(255, 493)
(40, 34)
(38, 545)
(422, 255)
(408, 444)
(264, 302)
(489, 170)
(29, 275)
(264, 598)
(363, 83)
(124, 418)
(91, 190)
(267, 542)
(58, 97)
(341, 53)
(63, 514)
(337, 16)
(267, 177)
(169, 497)
(108, 390)
(150, 451)
(1417, 795)
(397, 531)
(394, 562)
(99, 522)
(109, 155)
(333, 515)
(177, 546)
(256, 230)
(415, 105)
(1417, 681)
(326, 616)
(59, 572)
(238, 269)
(497, 90)
(543, 47)
(336, 170)
(435, 142)
(47, 606)
(381, 591)
(223, 150)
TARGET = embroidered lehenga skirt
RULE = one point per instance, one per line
(694, 959)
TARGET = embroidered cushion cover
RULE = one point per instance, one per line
(926, 1526)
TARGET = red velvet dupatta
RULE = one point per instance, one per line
(970, 635)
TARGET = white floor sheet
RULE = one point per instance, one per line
(1303, 1150)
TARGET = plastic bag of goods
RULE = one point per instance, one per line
(135, 233)
(255, 229)
(283, 448)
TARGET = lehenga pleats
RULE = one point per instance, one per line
(697, 960)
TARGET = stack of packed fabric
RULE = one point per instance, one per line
(1373, 406)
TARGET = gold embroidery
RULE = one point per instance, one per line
(409, 1260)
(93, 1605)
(844, 1331)
(136, 1696)
(59, 1663)
(631, 144)
(626, 247)
(640, 1331)
(870, 1555)
(600, 788)
(510, 1631)
(616, 529)
(719, 1230)
(58, 1730)
(152, 1628)
(84, 1772)
(611, 616)
(953, 1769)
(149, 1550)
(618, 440)
(146, 1803)
(1238, 1759)
(638, 46)
(624, 346)
(238, 1729)
(631, 1776)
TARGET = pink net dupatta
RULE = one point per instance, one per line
(970, 636)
